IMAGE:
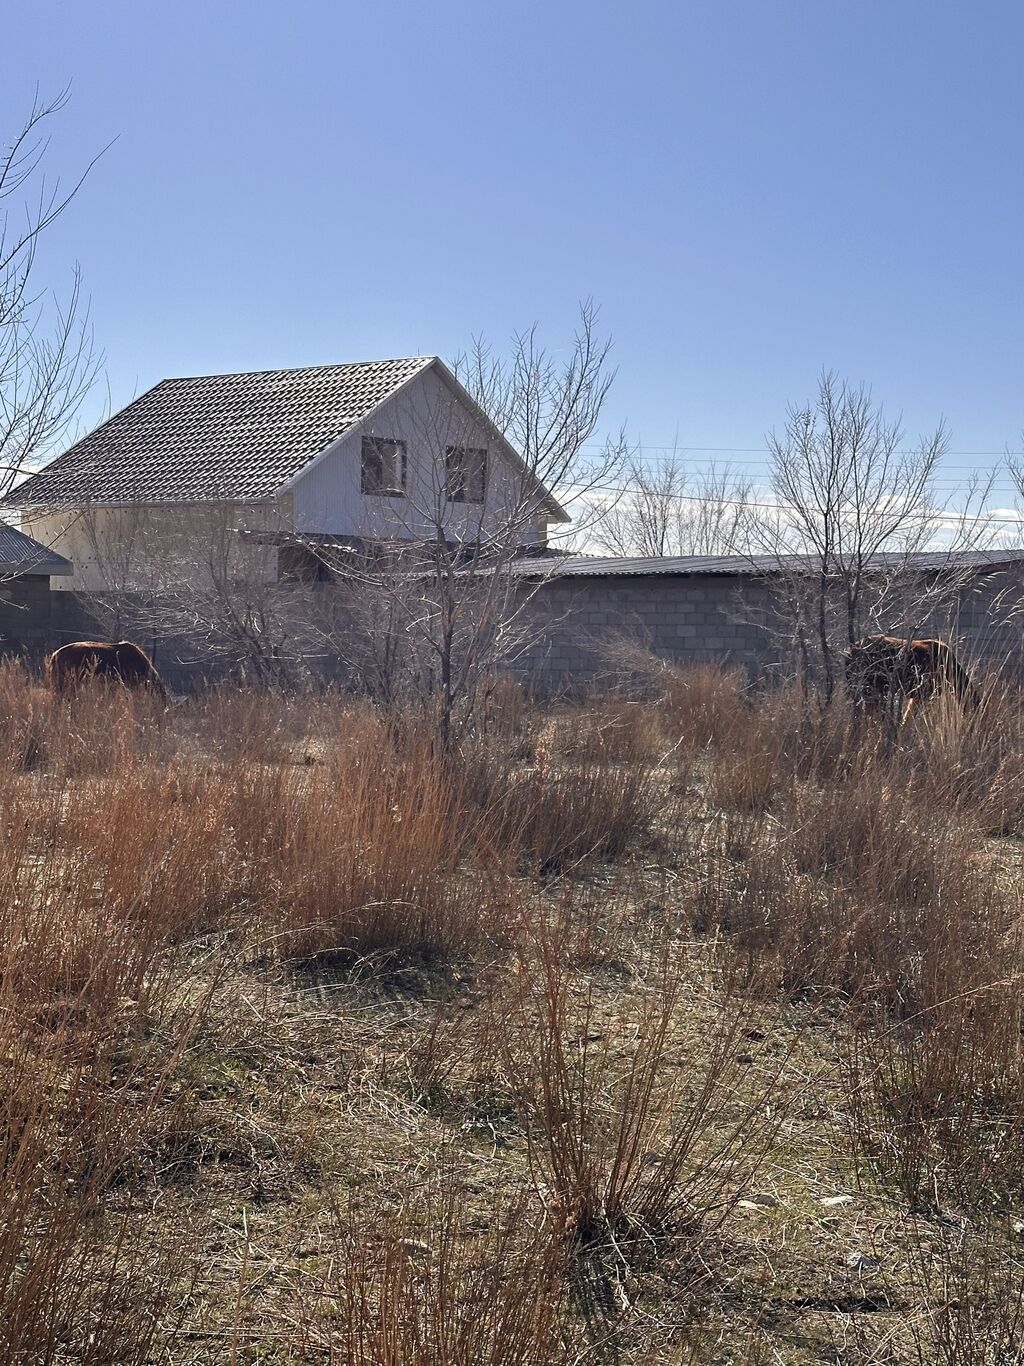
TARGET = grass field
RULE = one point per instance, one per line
(663, 1031)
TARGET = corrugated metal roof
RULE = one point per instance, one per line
(213, 437)
(20, 554)
(579, 566)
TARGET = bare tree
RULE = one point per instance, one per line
(850, 509)
(203, 578)
(443, 597)
(47, 357)
(1013, 534)
(666, 509)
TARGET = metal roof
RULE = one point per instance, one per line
(20, 554)
(582, 566)
(212, 437)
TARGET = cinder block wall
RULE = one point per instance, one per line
(26, 616)
(690, 619)
(571, 623)
(34, 621)
(987, 622)
(733, 620)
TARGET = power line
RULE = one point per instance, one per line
(999, 484)
(939, 517)
(682, 454)
(1003, 486)
(680, 449)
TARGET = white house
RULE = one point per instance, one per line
(308, 462)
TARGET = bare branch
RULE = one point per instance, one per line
(48, 359)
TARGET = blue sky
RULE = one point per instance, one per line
(749, 189)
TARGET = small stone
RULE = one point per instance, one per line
(745, 1058)
(860, 1261)
(760, 1201)
(831, 1200)
(1018, 1228)
(652, 1159)
(415, 1248)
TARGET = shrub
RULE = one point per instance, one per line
(614, 730)
(972, 764)
(363, 853)
(746, 773)
(430, 1283)
(562, 815)
(704, 705)
(91, 1024)
(626, 1138)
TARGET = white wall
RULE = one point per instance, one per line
(64, 533)
(427, 417)
(149, 546)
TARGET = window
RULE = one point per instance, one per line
(465, 474)
(383, 467)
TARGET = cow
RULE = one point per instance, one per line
(883, 669)
(121, 662)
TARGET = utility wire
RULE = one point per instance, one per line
(939, 516)
(680, 449)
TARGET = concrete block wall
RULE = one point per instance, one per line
(733, 620)
(689, 619)
(26, 617)
(34, 621)
(988, 622)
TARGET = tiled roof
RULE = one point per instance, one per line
(216, 436)
(577, 566)
(20, 554)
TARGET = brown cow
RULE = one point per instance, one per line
(122, 662)
(882, 668)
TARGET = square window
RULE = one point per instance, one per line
(465, 474)
(383, 472)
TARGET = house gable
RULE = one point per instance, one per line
(430, 414)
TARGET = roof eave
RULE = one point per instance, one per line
(22, 569)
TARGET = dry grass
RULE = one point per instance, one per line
(364, 853)
(424, 1284)
(629, 1142)
(565, 811)
(318, 1045)
(93, 1023)
(707, 704)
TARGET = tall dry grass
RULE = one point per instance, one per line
(703, 705)
(575, 804)
(972, 764)
(967, 1280)
(805, 846)
(366, 852)
(430, 1284)
(862, 869)
(628, 1139)
(91, 1028)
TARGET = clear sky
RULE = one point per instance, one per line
(749, 189)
